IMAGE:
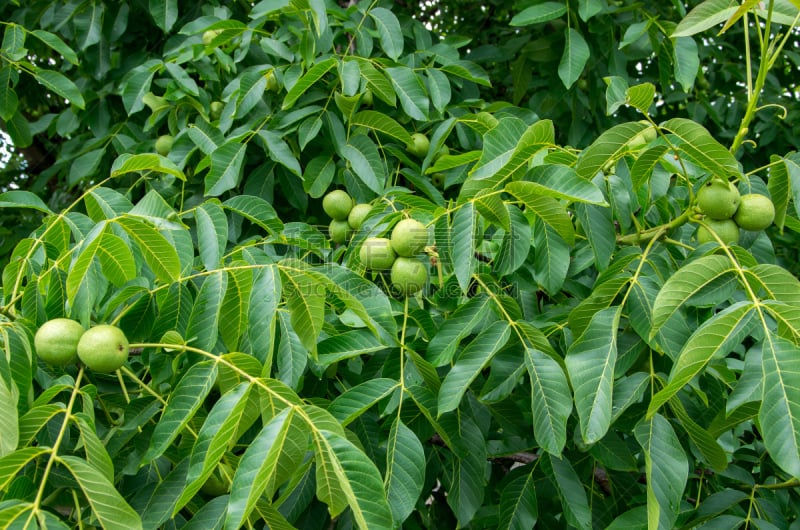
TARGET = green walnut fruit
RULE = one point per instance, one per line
(337, 204)
(408, 275)
(376, 253)
(357, 215)
(339, 231)
(718, 199)
(644, 137)
(437, 179)
(756, 212)
(419, 145)
(726, 229)
(409, 237)
(217, 484)
(56, 341)
(210, 35)
(164, 144)
(103, 348)
(215, 110)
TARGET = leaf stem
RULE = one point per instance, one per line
(655, 232)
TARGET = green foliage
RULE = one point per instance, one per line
(571, 353)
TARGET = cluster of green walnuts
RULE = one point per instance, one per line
(62, 341)
(725, 211)
(399, 253)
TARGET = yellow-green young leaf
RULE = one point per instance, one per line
(313, 75)
(666, 468)
(607, 148)
(12, 512)
(159, 254)
(551, 401)
(641, 96)
(380, 122)
(590, 363)
(788, 318)
(111, 510)
(405, 470)
(184, 400)
(685, 283)
(779, 416)
(716, 337)
(469, 364)
(349, 478)
(701, 148)
(305, 299)
(275, 453)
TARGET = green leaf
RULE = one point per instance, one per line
(273, 454)
(226, 168)
(61, 85)
(562, 182)
(570, 490)
(13, 463)
(590, 363)
(464, 234)
(576, 54)
(702, 148)
(704, 16)
(96, 453)
(9, 102)
(111, 510)
(357, 481)
(539, 13)
(465, 489)
(146, 162)
(666, 468)
(353, 402)
(475, 357)
(687, 61)
(779, 416)
(9, 419)
(202, 329)
(518, 509)
(516, 244)
(456, 327)
(183, 402)
(467, 70)
(212, 233)
(55, 43)
(713, 452)
(405, 470)
(551, 257)
(380, 122)
(182, 78)
(313, 75)
(715, 338)
(280, 152)
(551, 401)
(159, 253)
(216, 435)
(256, 210)
(14, 42)
(306, 303)
(366, 163)
(85, 166)
(685, 283)
(641, 96)
(607, 148)
(233, 313)
(410, 91)
(112, 253)
(389, 31)
(23, 199)
(548, 209)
